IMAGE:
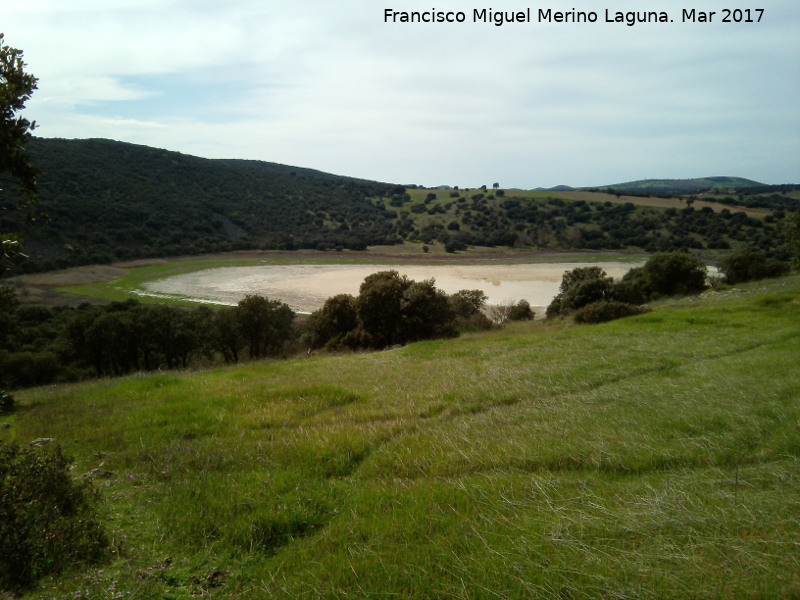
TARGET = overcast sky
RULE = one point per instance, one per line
(329, 85)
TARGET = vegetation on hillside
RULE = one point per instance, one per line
(652, 457)
(108, 201)
(458, 219)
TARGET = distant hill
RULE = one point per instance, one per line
(557, 188)
(680, 187)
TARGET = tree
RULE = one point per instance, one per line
(675, 274)
(751, 265)
(332, 325)
(379, 307)
(580, 287)
(225, 335)
(16, 88)
(425, 313)
(266, 325)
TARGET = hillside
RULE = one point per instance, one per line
(652, 457)
(107, 201)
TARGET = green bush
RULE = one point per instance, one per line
(521, 311)
(47, 520)
(606, 310)
(579, 287)
(751, 265)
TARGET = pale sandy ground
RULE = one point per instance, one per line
(305, 287)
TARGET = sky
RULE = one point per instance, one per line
(331, 85)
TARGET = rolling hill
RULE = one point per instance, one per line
(107, 201)
(680, 187)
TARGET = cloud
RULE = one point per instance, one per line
(329, 85)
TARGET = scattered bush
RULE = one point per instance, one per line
(503, 313)
(665, 274)
(606, 310)
(751, 265)
(580, 287)
(47, 520)
(673, 274)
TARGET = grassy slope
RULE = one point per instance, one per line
(655, 457)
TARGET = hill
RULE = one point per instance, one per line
(680, 187)
(653, 457)
(107, 201)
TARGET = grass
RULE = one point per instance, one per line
(653, 457)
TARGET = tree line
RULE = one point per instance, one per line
(41, 345)
(591, 296)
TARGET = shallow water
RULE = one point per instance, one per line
(305, 287)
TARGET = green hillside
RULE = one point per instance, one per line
(107, 201)
(652, 457)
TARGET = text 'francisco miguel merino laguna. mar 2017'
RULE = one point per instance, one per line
(548, 15)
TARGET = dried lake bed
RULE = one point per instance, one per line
(305, 287)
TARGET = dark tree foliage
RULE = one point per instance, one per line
(224, 334)
(468, 308)
(606, 310)
(16, 88)
(751, 265)
(521, 311)
(674, 274)
(425, 313)
(379, 308)
(391, 309)
(110, 200)
(334, 325)
(793, 238)
(666, 274)
(49, 345)
(266, 325)
(579, 287)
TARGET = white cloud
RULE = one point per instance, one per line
(328, 85)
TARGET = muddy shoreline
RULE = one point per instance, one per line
(43, 288)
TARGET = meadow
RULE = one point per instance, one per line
(651, 457)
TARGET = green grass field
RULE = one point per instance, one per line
(653, 457)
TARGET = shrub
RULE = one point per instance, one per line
(47, 520)
(521, 311)
(467, 307)
(510, 311)
(674, 274)
(751, 265)
(579, 287)
(606, 310)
